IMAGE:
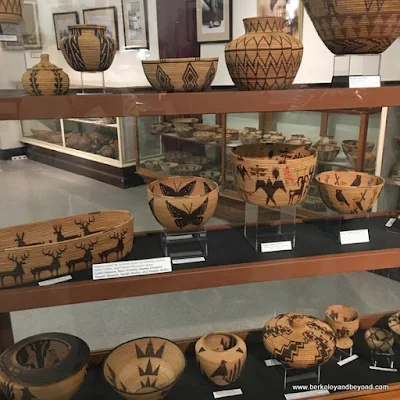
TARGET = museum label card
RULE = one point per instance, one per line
(390, 223)
(227, 393)
(347, 360)
(354, 236)
(132, 268)
(367, 81)
(272, 362)
(306, 395)
(55, 280)
(8, 38)
(36, 54)
(276, 246)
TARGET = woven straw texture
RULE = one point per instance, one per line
(45, 79)
(379, 339)
(45, 366)
(394, 325)
(273, 174)
(88, 49)
(181, 74)
(144, 369)
(299, 340)
(221, 357)
(42, 250)
(345, 322)
(349, 192)
(264, 57)
(355, 26)
(182, 203)
(10, 11)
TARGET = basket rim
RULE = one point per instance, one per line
(151, 185)
(134, 340)
(345, 306)
(87, 26)
(381, 183)
(180, 60)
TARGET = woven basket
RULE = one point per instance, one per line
(181, 74)
(221, 357)
(88, 49)
(345, 322)
(42, 250)
(45, 366)
(299, 340)
(327, 152)
(379, 339)
(273, 174)
(10, 11)
(264, 57)
(182, 204)
(355, 26)
(349, 192)
(144, 369)
(394, 325)
(45, 79)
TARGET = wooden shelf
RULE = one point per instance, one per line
(212, 102)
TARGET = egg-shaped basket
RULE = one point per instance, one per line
(349, 192)
(274, 174)
(182, 203)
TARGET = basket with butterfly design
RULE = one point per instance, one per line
(182, 203)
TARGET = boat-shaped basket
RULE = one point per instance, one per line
(48, 249)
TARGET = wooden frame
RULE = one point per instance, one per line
(294, 14)
(210, 32)
(142, 24)
(107, 16)
(71, 18)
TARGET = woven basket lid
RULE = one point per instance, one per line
(394, 323)
(45, 64)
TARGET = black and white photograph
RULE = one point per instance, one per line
(214, 20)
(106, 16)
(291, 10)
(61, 23)
(135, 24)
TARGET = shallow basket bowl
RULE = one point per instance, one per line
(369, 160)
(206, 127)
(327, 152)
(351, 146)
(218, 138)
(213, 175)
(182, 204)
(273, 174)
(177, 156)
(144, 369)
(204, 137)
(186, 170)
(199, 160)
(181, 74)
(349, 192)
(44, 366)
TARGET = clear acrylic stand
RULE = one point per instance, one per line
(367, 66)
(383, 359)
(341, 354)
(185, 244)
(335, 223)
(103, 79)
(265, 226)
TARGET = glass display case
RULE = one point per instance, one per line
(258, 256)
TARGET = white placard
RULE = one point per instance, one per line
(36, 54)
(227, 393)
(355, 236)
(55, 280)
(306, 395)
(367, 81)
(390, 223)
(276, 246)
(347, 360)
(272, 362)
(8, 38)
(188, 260)
(132, 268)
(383, 369)
(180, 237)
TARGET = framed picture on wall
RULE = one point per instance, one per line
(136, 32)
(104, 16)
(61, 23)
(214, 20)
(291, 10)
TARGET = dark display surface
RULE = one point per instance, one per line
(256, 381)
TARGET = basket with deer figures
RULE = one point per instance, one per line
(182, 203)
(45, 366)
(349, 192)
(144, 369)
(273, 175)
(221, 357)
(298, 340)
(43, 250)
